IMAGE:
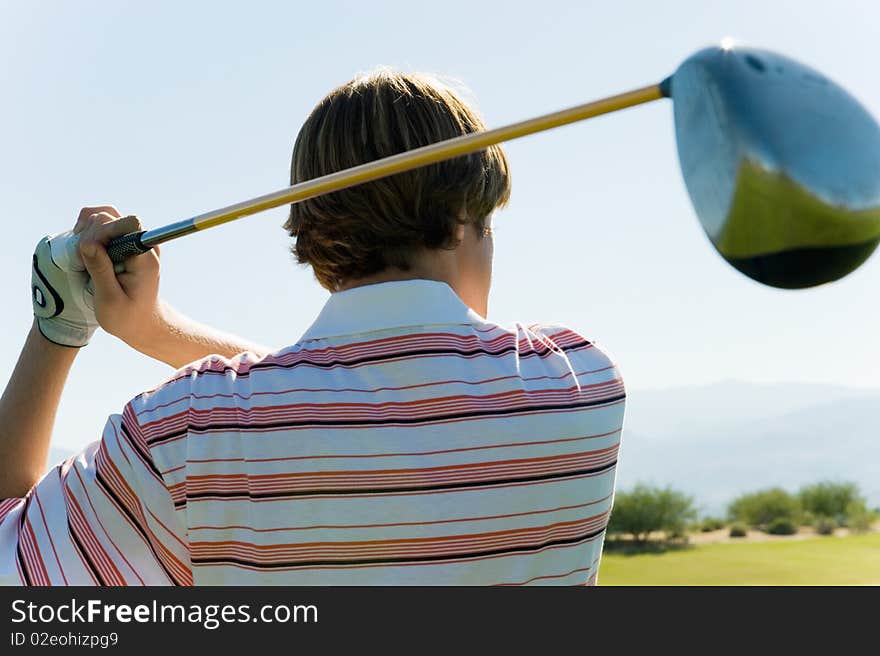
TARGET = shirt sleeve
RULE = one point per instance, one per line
(102, 517)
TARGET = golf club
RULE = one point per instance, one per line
(782, 167)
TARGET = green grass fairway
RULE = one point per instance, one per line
(853, 560)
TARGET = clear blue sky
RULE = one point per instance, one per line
(167, 109)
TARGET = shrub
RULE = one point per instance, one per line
(647, 509)
(738, 530)
(761, 508)
(858, 518)
(712, 524)
(781, 526)
(676, 533)
(825, 526)
(829, 499)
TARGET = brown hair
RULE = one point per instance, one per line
(360, 231)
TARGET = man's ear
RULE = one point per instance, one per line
(459, 232)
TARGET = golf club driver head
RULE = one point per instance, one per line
(781, 164)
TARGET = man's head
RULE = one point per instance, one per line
(428, 222)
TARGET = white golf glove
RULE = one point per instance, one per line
(63, 298)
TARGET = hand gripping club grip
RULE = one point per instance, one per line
(126, 246)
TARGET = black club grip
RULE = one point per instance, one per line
(126, 246)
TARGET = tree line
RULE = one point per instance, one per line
(647, 512)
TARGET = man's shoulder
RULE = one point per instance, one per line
(554, 331)
(209, 379)
(201, 377)
(553, 349)
(568, 341)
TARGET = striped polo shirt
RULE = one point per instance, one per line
(404, 440)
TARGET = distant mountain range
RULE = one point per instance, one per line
(718, 441)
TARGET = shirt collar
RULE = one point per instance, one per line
(390, 305)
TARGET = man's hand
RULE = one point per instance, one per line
(62, 298)
(126, 301)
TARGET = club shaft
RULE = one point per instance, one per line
(402, 162)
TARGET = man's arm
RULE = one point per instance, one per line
(178, 340)
(27, 412)
(128, 306)
(113, 483)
